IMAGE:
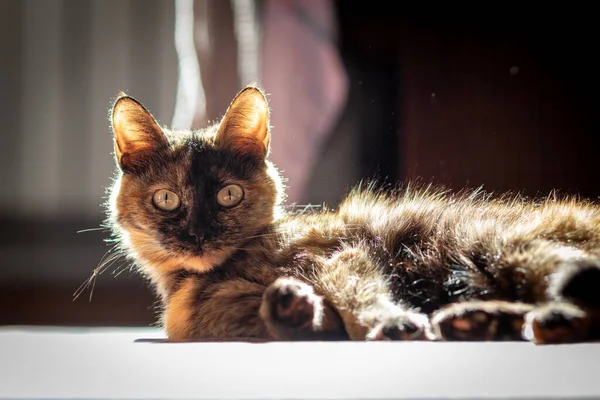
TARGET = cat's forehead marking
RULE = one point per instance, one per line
(209, 163)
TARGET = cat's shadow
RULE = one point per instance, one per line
(207, 340)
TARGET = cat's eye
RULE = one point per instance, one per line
(230, 195)
(166, 200)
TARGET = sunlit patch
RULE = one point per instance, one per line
(207, 262)
(179, 312)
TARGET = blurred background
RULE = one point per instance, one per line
(500, 96)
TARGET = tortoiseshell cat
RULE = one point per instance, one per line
(200, 213)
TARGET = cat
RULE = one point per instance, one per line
(201, 215)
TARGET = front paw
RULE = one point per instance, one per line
(290, 306)
(403, 326)
(480, 321)
(557, 323)
(291, 302)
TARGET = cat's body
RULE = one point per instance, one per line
(200, 214)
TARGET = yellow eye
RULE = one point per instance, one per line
(166, 200)
(230, 195)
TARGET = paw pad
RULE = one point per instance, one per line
(292, 303)
(559, 323)
(404, 327)
(480, 321)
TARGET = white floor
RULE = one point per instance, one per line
(113, 363)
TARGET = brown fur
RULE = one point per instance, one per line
(411, 263)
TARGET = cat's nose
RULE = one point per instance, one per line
(195, 235)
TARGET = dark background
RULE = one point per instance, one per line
(500, 97)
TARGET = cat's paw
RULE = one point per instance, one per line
(290, 303)
(557, 323)
(480, 321)
(404, 326)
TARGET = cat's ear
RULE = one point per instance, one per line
(245, 126)
(137, 134)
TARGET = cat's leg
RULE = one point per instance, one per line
(573, 311)
(480, 321)
(518, 274)
(559, 322)
(355, 285)
(556, 322)
(565, 283)
(200, 309)
(240, 309)
(388, 321)
(292, 311)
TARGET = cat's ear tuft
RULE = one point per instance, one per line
(137, 135)
(245, 126)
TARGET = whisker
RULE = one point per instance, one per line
(115, 273)
(105, 255)
(82, 287)
(85, 285)
(302, 208)
(108, 259)
(92, 290)
(121, 268)
(261, 235)
(283, 233)
(93, 230)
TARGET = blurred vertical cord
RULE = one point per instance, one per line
(247, 33)
(190, 97)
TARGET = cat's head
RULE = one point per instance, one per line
(186, 199)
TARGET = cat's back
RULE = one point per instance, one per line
(420, 218)
(428, 213)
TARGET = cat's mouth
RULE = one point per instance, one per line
(194, 250)
(194, 244)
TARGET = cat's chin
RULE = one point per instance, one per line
(207, 260)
